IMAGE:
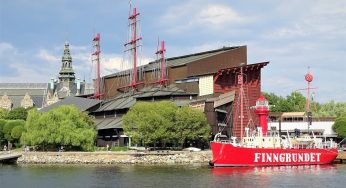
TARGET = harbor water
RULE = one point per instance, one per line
(52, 176)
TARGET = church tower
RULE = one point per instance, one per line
(66, 74)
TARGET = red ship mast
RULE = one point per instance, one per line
(132, 45)
(96, 54)
(161, 52)
(308, 77)
(241, 83)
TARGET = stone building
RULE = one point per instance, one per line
(13, 95)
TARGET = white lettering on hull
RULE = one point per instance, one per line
(287, 157)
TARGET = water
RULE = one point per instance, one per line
(51, 176)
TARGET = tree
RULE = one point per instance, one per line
(3, 113)
(148, 122)
(2, 124)
(9, 127)
(65, 125)
(18, 113)
(190, 124)
(164, 122)
(297, 102)
(17, 132)
(330, 109)
(339, 126)
(279, 104)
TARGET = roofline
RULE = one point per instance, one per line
(183, 56)
(206, 52)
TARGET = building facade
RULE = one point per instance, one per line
(294, 123)
(39, 95)
(205, 80)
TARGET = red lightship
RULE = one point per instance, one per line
(257, 148)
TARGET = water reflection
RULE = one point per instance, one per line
(231, 170)
(277, 176)
(171, 176)
(274, 170)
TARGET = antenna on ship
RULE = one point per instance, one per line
(309, 78)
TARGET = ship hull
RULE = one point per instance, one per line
(225, 154)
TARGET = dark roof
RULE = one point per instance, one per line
(125, 101)
(17, 91)
(82, 104)
(23, 85)
(182, 60)
(108, 123)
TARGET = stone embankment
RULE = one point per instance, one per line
(153, 157)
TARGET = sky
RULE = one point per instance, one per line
(292, 35)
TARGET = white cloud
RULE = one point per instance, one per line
(289, 32)
(218, 15)
(44, 55)
(6, 47)
(323, 19)
(195, 14)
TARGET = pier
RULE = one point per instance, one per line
(341, 158)
(8, 157)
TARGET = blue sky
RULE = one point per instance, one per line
(292, 35)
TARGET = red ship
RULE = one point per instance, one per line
(258, 149)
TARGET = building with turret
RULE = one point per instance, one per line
(39, 95)
(66, 84)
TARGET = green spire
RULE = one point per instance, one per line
(67, 56)
(66, 73)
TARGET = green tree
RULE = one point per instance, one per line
(148, 122)
(190, 124)
(339, 126)
(8, 128)
(279, 104)
(164, 122)
(297, 102)
(16, 133)
(18, 113)
(3, 113)
(330, 109)
(65, 125)
(2, 124)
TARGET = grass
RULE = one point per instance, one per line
(112, 149)
(119, 149)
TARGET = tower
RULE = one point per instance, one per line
(66, 74)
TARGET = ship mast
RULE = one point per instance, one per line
(241, 83)
(96, 54)
(161, 52)
(309, 78)
(132, 45)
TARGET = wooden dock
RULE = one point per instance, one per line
(8, 157)
(341, 158)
